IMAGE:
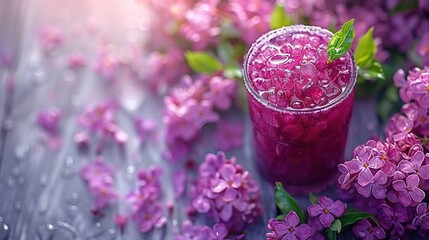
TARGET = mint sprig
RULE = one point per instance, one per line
(341, 41)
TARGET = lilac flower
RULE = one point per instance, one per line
(201, 26)
(149, 216)
(166, 68)
(401, 82)
(327, 210)
(228, 135)
(221, 93)
(76, 61)
(100, 180)
(195, 232)
(364, 230)
(49, 120)
(121, 222)
(421, 219)
(363, 163)
(287, 229)
(98, 169)
(50, 38)
(414, 165)
(409, 192)
(107, 63)
(376, 187)
(220, 231)
(419, 88)
(145, 128)
(398, 127)
(227, 192)
(393, 218)
(419, 116)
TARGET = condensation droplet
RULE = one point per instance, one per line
(50, 227)
(46, 231)
(111, 231)
(131, 169)
(10, 182)
(4, 231)
(18, 206)
(69, 161)
(21, 151)
(97, 224)
(72, 199)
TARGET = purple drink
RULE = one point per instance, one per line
(300, 106)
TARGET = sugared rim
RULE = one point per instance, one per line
(297, 29)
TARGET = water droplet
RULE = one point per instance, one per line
(72, 199)
(46, 231)
(21, 151)
(131, 169)
(50, 227)
(18, 206)
(97, 224)
(69, 161)
(4, 231)
(10, 182)
(1, 219)
(43, 180)
(111, 231)
(16, 171)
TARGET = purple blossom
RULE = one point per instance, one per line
(398, 127)
(288, 229)
(100, 180)
(149, 216)
(376, 187)
(409, 192)
(145, 128)
(201, 26)
(195, 232)
(76, 61)
(365, 230)
(121, 222)
(393, 218)
(363, 163)
(227, 192)
(415, 87)
(107, 63)
(421, 219)
(49, 120)
(419, 116)
(50, 38)
(221, 93)
(327, 210)
(414, 165)
(228, 135)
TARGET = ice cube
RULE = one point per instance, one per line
(331, 91)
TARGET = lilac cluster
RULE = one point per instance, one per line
(50, 38)
(99, 177)
(99, 120)
(48, 120)
(147, 210)
(227, 192)
(196, 232)
(190, 106)
(289, 228)
(394, 174)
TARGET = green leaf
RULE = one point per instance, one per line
(373, 71)
(281, 217)
(365, 49)
(279, 17)
(331, 235)
(341, 41)
(203, 62)
(336, 226)
(232, 71)
(389, 103)
(286, 203)
(225, 51)
(313, 198)
(353, 215)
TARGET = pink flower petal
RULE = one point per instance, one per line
(291, 219)
(226, 212)
(326, 219)
(230, 194)
(315, 210)
(365, 177)
(417, 195)
(399, 185)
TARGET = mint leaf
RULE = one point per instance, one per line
(372, 71)
(365, 49)
(286, 203)
(203, 62)
(232, 71)
(313, 198)
(353, 215)
(341, 41)
(336, 226)
(279, 17)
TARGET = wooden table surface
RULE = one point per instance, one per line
(41, 193)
